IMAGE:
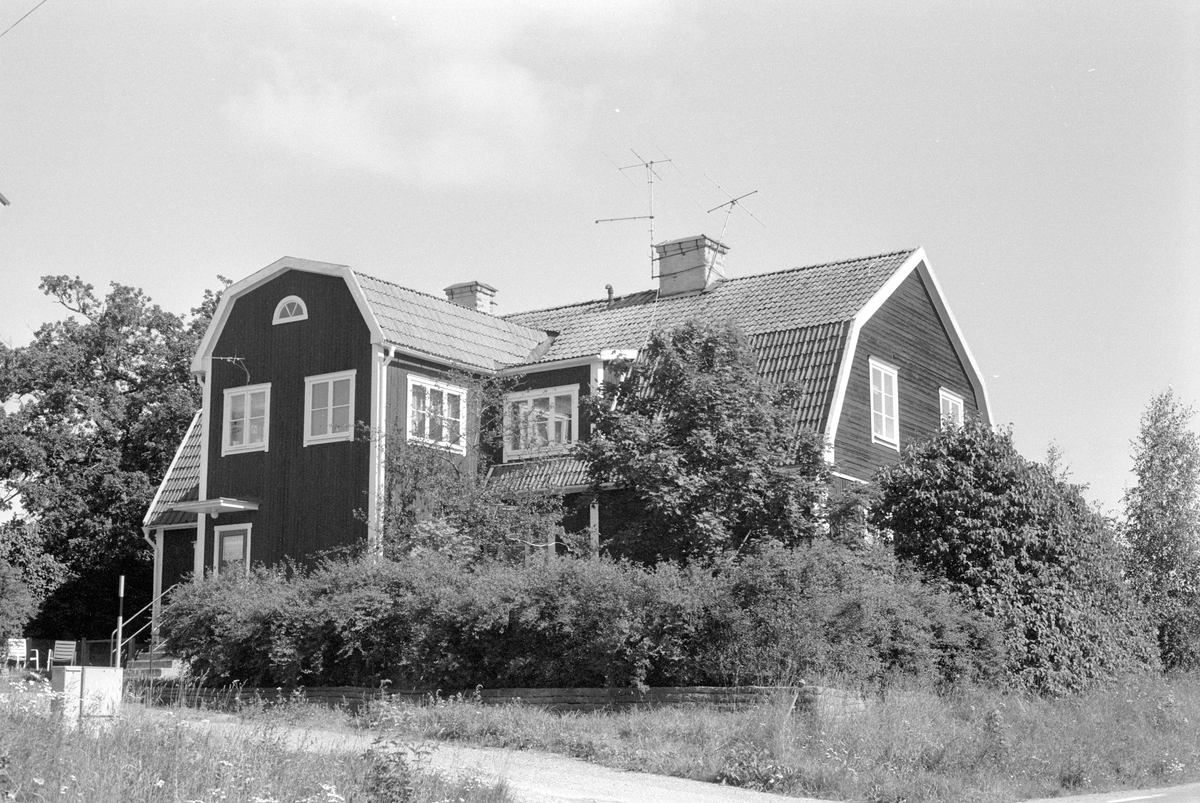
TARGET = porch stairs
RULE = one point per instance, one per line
(153, 664)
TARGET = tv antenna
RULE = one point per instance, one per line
(728, 207)
(648, 166)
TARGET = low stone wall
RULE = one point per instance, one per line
(820, 700)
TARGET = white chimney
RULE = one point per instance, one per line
(689, 265)
(472, 295)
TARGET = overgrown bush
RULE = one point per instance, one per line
(429, 622)
(1021, 545)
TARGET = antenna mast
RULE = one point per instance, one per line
(650, 176)
(731, 203)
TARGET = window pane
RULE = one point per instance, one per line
(233, 547)
(341, 392)
(258, 404)
(236, 432)
(562, 419)
(319, 423)
(320, 395)
(237, 407)
(417, 412)
(540, 421)
(256, 429)
(341, 419)
(453, 417)
(516, 422)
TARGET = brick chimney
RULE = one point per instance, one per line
(689, 265)
(472, 295)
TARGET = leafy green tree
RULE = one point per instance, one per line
(1023, 546)
(1162, 513)
(709, 453)
(17, 605)
(102, 399)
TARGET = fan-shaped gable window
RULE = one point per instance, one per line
(290, 309)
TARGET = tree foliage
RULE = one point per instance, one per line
(1162, 512)
(710, 452)
(1022, 545)
(17, 605)
(438, 499)
(102, 399)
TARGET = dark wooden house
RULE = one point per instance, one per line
(301, 353)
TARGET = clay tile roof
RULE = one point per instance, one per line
(560, 473)
(784, 301)
(182, 483)
(431, 325)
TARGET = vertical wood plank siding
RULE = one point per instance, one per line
(907, 333)
(310, 501)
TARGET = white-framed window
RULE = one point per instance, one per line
(246, 422)
(541, 421)
(329, 407)
(885, 424)
(952, 407)
(290, 309)
(437, 413)
(231, 547)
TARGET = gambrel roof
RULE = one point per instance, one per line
(416, 322)
(434, 326)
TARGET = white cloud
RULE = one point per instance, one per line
(457, 93)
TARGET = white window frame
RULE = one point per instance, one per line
(278, 318)
(218, 534)
(948, 398)
(226, 447)
(888, 408)
(510, 426)
(432, 384)
(329, 437)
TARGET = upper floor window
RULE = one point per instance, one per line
(884, 406)
(436, 413)
(952, 407)
(232, 545)
(247, 419)
(541, 421)
(329, 407)
(290, 309)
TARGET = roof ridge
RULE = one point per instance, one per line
(726, 281)
(486, 315)
(821, 265)
(582, 303)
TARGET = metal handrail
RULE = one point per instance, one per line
(115, 655)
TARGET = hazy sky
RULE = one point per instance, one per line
(1047, 157)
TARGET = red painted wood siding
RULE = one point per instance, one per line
(907, 333)
(307, 495)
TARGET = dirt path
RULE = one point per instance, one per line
(531, 776)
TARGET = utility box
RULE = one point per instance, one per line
(87, 691)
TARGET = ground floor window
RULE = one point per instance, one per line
(232, 547)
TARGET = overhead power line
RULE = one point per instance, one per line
(27, 13)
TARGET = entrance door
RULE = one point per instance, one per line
(179, 551)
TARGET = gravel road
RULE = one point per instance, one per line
(531, 776)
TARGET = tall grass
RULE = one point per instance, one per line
(972, 745)
(139, 757)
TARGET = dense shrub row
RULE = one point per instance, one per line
(427, 622)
